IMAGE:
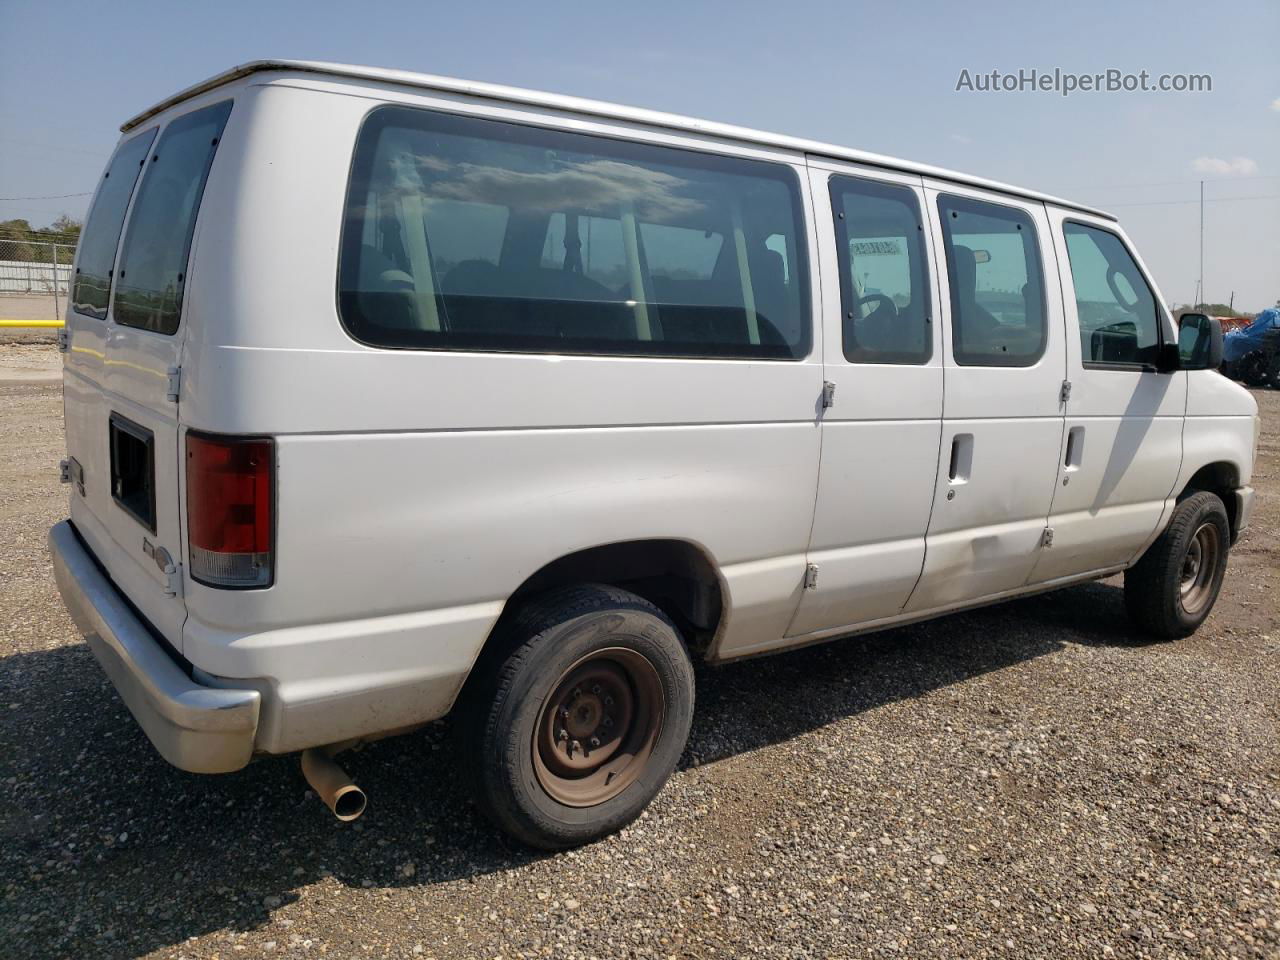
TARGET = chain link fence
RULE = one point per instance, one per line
(35, 277)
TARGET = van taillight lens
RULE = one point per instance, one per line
(229, 510)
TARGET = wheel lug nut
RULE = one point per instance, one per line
(596, 689)
(564, 713)
(574, 746)
(608, 701)
(563, 734)
(607, 722)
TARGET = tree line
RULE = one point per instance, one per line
(19, 240)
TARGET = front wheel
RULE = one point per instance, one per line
(576, 723)
(1171, 590)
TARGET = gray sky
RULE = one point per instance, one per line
(878, 76)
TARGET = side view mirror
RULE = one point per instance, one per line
(1199, 342)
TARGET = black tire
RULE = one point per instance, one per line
(1273, 371)
(1252, 369)
(1168, 593)
(499, 732)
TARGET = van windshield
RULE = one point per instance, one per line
(153, 261)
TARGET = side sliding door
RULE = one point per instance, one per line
(1004, 360)
(882, 356)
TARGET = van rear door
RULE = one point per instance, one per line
(122, 372)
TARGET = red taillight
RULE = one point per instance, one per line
(229, 507)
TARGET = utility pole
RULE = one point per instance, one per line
(1200, 285)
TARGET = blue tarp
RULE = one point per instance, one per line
(1238, 343)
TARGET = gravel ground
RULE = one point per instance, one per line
(1030, 780)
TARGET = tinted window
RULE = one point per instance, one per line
(884, 289)
(1119, 320)
(92, 290)
(997, 284)
(475, 234)
(153, 261)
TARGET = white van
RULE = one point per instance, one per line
(391, 396)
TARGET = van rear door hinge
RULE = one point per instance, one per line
(173, 381)
(811, 576)
(64, 340)
(828, 394)
(172, 580)
(1048, 537)
(70, 471)
(1065, 393)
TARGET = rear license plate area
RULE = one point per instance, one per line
(133, 470)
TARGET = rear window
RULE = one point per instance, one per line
(153, 262)
(92, 290)
(471, 234)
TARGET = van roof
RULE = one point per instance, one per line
(598, 108)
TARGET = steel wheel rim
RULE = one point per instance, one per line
(1199, 568)
(598, 728)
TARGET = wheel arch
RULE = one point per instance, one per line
(680, 577)
(1221, 478)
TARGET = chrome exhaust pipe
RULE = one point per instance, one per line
(331, 783)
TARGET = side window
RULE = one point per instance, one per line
(153, 261)
(472, 234)
(997, 284)
(92, 290)
(1118, 316)
(884, 286)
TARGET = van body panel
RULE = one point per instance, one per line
(1209, 439)
(404, 539)
(541, 447)
(342, 679)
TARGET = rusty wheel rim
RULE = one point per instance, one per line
(598, 728)
(1199, 569)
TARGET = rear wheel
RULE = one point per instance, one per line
(1171, 590)
(571, 729)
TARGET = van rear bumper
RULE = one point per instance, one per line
(195, 727)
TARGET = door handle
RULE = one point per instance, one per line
(961, 458)
(1075, 449)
